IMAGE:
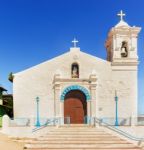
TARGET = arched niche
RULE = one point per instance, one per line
(75, 70)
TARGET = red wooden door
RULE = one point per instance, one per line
(75, 107)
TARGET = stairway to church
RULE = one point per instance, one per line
(79, 137)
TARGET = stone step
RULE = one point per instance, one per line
(65, 131)
(88, 146)
(87, 149)
(79, 129)
(77, 125)
(77, 142)
(78, 139)
(79, 136)
(77, 133)
(75, 128)
(85, 131)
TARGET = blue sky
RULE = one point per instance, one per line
(33, 31)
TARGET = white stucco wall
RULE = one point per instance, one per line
(39, 81)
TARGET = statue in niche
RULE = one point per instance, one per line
(124, 50)
(75, 71)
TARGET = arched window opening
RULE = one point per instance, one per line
(124, 49)
(75, 70)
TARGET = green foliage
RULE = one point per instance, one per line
(11, 77)
(0, 122)
(0, 95)
(8, 104)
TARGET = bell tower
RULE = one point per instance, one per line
(121, 43)
(121, 46)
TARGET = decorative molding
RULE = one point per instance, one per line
(71, 80)
(75, 57)
(125, 63)
(75, 87)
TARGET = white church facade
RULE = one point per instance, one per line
(79, 85)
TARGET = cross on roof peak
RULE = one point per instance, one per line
(75, 41)
(121, 15)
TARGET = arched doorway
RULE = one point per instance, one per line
(75, 106)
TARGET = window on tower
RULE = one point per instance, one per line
(124, 49)
(75, 70)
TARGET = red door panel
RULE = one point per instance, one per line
(75, 108)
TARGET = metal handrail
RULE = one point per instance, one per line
(113, 128)
(54, 120)
(45, 125)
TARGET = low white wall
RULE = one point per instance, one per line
(23, 131)
(26, 132)
(137, 131)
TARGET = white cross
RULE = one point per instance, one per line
(121, 14)
(75, 42)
